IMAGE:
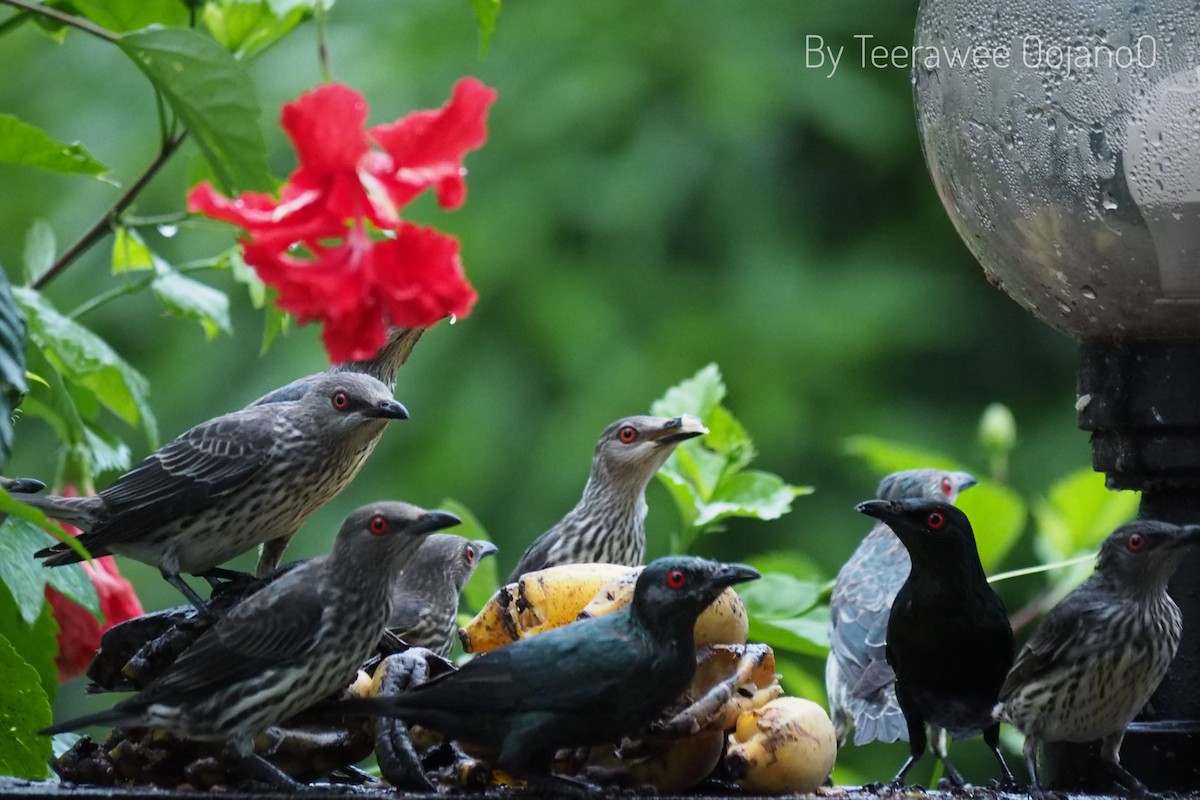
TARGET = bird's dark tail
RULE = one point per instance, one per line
(77, 511)
(110, 717)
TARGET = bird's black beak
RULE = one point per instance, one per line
(678, 429)
(886, 511)
(432, 521)
(388, 409)
(485, 549)
(22, 485)
(1190, 535)
(729, 574)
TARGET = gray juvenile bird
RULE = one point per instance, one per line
(858, 680)
(1095, 659)
(383, 368)
(948, 637)
(231, 483)
(425, 600)
(587, 683)
(286, 647)
(608, 524)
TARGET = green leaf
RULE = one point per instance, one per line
(997, 515)
(193, 300)
(12, 365)
(486, 12)
(885, 457)
(697, 395)
(11, 508)
(24, 710)
(130, 253)
(36, 642)
(485, 581)
(1078, 513)
(807, 634)
(128, 15)
(248, 27)
(751, 493)
(792, 562)
(40, 248)
(26, 578)
(83, 358)
(213, 95)
(21, 143)
(778, 595)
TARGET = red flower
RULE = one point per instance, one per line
(78, 629)
(313, 243)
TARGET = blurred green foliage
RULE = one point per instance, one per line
(665, 186)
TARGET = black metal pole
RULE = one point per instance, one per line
(1141, 403)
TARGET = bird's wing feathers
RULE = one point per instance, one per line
(210, 460)
(862, 601)
(243, 642)
(407, 613)
(1059, 631)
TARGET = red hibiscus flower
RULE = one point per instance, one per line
(333, 244)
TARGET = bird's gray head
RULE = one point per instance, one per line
(931, 530)
(931, 484)
(444, 557)
(1142, 555)
(383, 536)
(673, 591)
(349, 406)
(633, 448)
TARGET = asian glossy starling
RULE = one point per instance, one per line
(286, 647)
(858, 680)
(231, 483)
(608, 524)
(1095, 659)
(586, 683)
(948, 639)
(425, 600)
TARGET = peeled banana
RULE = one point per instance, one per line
(786, 746)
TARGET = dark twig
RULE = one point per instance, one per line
(65, 18)
(102, 226)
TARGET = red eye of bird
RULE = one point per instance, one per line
(341, 401)
(947, 486)
(1135, 542)
(676, 579)
(936, 520)
(378, 524)
(470, 554)
(627, 434)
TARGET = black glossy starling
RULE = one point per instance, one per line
(608, 524)
(858, 680)
(231, 483)
(286, 647)
(425, 600)
(948, 639)
(1095, 659)
(586, 683)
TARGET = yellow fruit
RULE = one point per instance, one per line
(788, 745)
(723, 622)
(669, 766)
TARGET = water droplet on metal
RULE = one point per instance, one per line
(1088, 292)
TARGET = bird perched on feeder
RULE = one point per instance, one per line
(587, 683)
(425, 598)
(286, 647)
(858, 680)
(231, 483)
(1092, 663)
(948, 639)
(608, 524)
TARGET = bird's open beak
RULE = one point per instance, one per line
(389, 409)
(432, 521)
(486, 549)
(677, 430)
(729, 574)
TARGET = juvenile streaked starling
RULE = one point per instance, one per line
(231, 483)
(858, 680)
(948, 638)
(586, 683)
(1095, 659)
(425, 600)
(608, 524)
(286, 647)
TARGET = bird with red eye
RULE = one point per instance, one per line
(341, 400)
(426, 596)
(949, 641)
(676, 579)
(608, 524)
(1116, 634)
(858, 681)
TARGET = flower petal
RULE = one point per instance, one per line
(418, 276)
(327, 127)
